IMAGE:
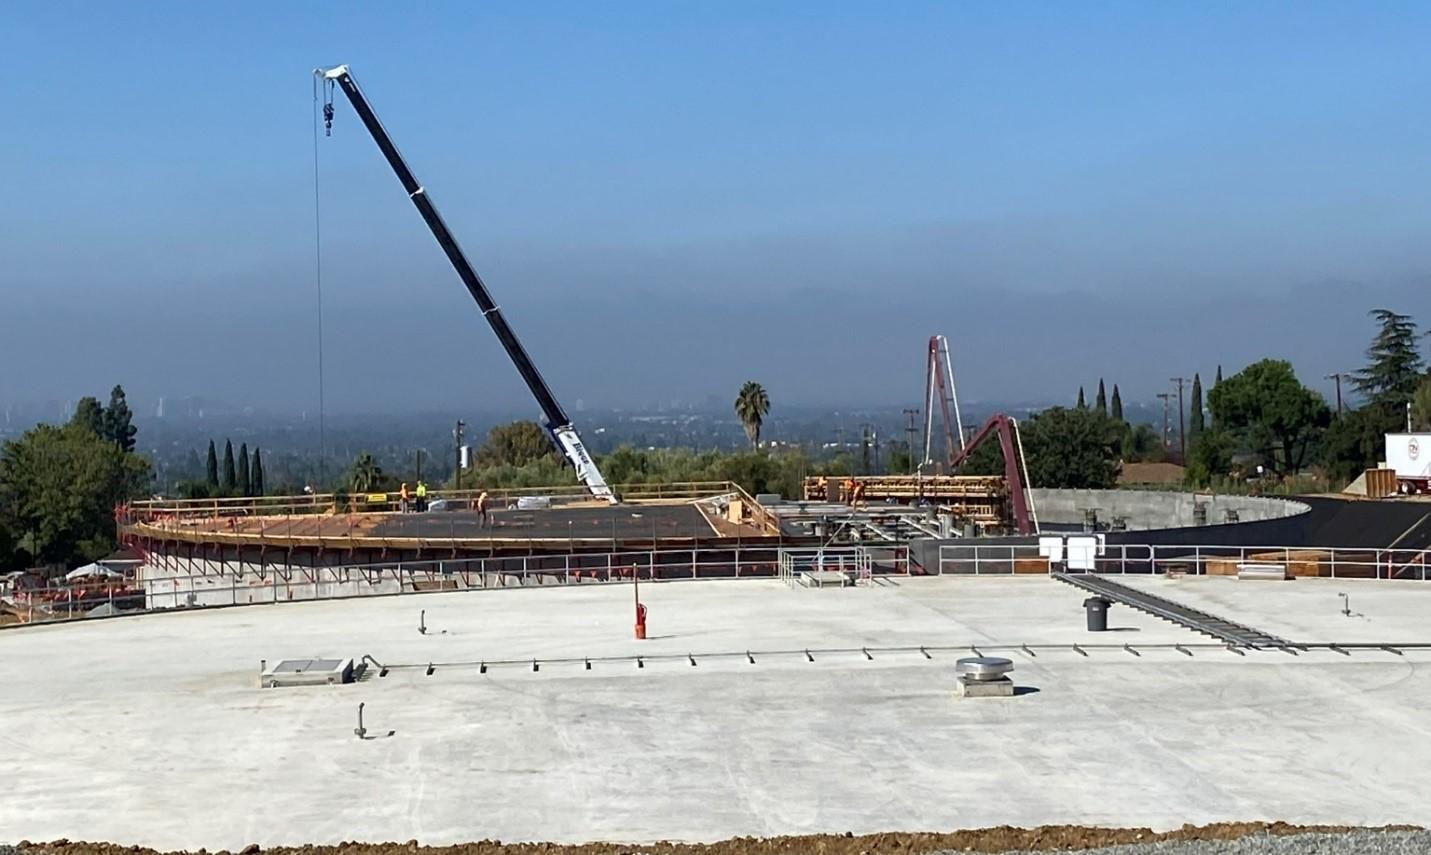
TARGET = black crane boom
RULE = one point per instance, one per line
(562, 430)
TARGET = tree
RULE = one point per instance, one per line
(514, 444)
(1394, 364)
(365, 475)
(1100, 403)
(1195, 422)
(89, 414)
(898, 459)
(1421, 406)
(1116, 406)
(119, 421)
(1141, 443)
(1353, 443)
(60, 486)
(230, 480)
(245, 485)
(258, 489)
(1270, 412)
(751, 405)
(1081, 405)
(1070, 448)
(1210, 456)
(211, 468)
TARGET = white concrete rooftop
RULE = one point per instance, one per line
(152, 730)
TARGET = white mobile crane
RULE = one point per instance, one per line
(563, 432)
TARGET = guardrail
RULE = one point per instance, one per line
(1305, 561)
(177, 582)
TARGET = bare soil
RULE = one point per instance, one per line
(1000, 839)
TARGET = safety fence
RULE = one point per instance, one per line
(1088, 554)
(173, 581)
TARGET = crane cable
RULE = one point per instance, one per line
(318, 276)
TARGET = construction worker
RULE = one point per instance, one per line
(848, 488)
(482, 518)
(402, 498)
(421, 496)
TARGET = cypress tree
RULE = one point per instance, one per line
(257, 471)
(1117, 405)
(245, 486)
(1100, 403)
(230, 481)
(211, 469)
(119, 421)
(1081, 405)
(1195, 423)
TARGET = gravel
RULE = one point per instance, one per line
(1349, 843)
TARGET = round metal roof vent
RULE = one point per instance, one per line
(983, 668)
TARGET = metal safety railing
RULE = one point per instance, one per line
(176, 581)
(1208, 559)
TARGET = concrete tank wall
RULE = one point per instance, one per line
(1150, 510)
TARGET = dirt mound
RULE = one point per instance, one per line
(1000, 839)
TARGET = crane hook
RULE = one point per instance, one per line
(328, 108)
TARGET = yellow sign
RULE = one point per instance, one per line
(376, 497)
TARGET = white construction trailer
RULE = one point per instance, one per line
(1410, 455)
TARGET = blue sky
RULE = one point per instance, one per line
(668, 199)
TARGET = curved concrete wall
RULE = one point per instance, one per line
(1143, 510)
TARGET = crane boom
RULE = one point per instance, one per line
(561, 428)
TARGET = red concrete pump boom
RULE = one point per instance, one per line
(1005, 427)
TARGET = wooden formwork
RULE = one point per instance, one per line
(982, 499)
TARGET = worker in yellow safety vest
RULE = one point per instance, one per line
(482, 517)
(421, 495)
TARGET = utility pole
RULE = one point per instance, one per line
(1165, 397)
(1182, 434)
(1337, 377)
(909, 431)
(457, 449)
(419, 464)
(865, 449)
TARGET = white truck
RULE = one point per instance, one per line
(1410, 455)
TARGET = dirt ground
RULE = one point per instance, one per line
(1001, 839)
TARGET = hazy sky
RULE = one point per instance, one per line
(668, 199)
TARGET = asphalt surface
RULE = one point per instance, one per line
(1348, 843)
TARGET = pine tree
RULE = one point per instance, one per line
(245, 486)
(1195, 422)
(230, 482)
(1081, 405)
(1394, 365)
(1100, 403)
(1117, 405)
(257, 471)
(119, 421)
(211, 469)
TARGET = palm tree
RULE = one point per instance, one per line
(365, 475)
(751, 405)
